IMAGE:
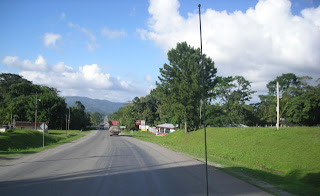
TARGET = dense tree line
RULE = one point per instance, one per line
(18, 101)
(177, 97)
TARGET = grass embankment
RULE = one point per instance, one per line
(30, 141)
(289, 159)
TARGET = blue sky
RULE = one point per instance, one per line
(113, 49)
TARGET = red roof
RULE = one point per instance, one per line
(27, 124)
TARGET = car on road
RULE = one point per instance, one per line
(114, 130)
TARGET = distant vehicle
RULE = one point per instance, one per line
(113, 123)
(101, 127)
(114, 128)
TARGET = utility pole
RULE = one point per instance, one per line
(43, 135)
(69, 120)
(66, 124)
(278, 107)
(204, 102)
(35, 114)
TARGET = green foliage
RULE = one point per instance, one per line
(285, 82)
(232, 92)
(305, 108)
(96, 118)
(79, 119)
(18, 100)
(180, 84)
(299, 101)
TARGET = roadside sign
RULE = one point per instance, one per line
(43, 126)
(122, 127)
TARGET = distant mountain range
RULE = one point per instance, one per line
(95, 105)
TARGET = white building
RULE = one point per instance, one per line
(165, 128)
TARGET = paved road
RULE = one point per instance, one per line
(119, 165)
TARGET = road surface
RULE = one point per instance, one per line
(119, 165)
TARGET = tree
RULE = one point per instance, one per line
(79, 118)
(285, 81)
(299, 102)
(232, 93)
(305, 108)
(96, 118)
(181, 83)
(19, 93)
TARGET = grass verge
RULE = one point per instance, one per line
(30, 141)
(288, 159)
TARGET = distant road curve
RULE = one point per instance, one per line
(119, 165)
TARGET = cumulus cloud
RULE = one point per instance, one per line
(51, 39)
(88, 80)
(40, 64)
(113, 34)
(61, 67)
(259, 44)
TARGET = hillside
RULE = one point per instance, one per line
(288, 159)
(94, 105)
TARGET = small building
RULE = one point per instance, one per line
(3, 128)
(165, 128)
(30, 125)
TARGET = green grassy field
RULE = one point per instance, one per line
(30, 141)
(289, 159)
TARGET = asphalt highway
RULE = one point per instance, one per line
(99, 164)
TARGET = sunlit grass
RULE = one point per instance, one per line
(289, 159)
(30, 141)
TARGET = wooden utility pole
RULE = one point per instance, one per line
(35, 114)
(278, 108)
(66, 124)
(69, 120)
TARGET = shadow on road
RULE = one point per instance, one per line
(152, 180)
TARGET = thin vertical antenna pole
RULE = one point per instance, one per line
(278, 108)
(204, 103)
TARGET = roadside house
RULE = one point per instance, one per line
(30, 125)
(166, 128)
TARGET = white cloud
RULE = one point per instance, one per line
(51, 39)
(63, 16)
(40, 64)
(88, 80)
(148, 79)
(61, 67)
(92, 44)
(259, 44)
(113, 34)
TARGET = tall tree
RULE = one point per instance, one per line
(181, 83)
(232, 93)
(79, 118)
(285, 82)
(96, 118)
